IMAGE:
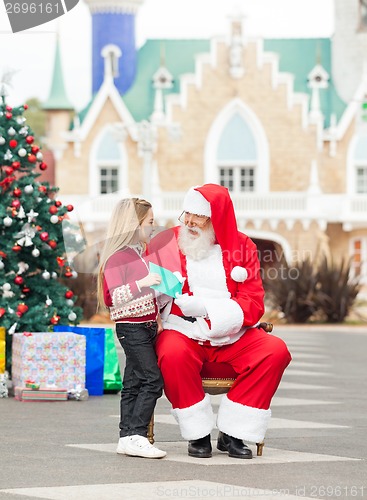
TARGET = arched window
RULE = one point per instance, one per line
(237, 151)
(360, 163)
(237, 156)
(108, 163)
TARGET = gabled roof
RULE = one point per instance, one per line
(296, 56)
(299, 56)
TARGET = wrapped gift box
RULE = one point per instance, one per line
(46, 394)
(49, 359)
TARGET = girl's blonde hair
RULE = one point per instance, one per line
(122, 229)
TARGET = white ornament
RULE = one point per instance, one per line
(69, 303)
(2, 265)
(46, 275)
(8, 155)
(26, 235)
(54, 275)
(36, 252)
(2, 140)
(54, 219)
(6, 287)
(23, 131)
(48, 301)
(239, 274)
(21, 213)
(23, 267)
(28, 189)
(32, 215)
(22, 152)
(11, 131)
(39, 156)
(74, 275)
(72, 316)
(7, 221)
(12, 328)
(20, 120)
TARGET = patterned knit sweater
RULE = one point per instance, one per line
(122, 295)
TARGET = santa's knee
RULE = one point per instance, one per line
(278, 353)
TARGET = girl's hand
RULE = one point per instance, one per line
(149, 280)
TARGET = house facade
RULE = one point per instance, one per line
(281, 123)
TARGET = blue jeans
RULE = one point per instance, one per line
(142, 382)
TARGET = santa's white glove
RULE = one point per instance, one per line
(190, 305)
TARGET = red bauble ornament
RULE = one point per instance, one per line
(29, 139)
(22, 308)
(68, 273)
(13, 143)
(2, 254)
(16, 248)
(2, 312)
(52, 244)
(69, 294)
(55, 319)
(44, 236)
(9, 170)
(60, 261)
(25, 106)
(15, 203)
(8, 108)
(16, 165)
(18, 280)
(53, 209)
(42, 189)
(43, 166)
(17, 192)
(35, 149)
(69, 208)
(39, 228)
(8, 115)
(32, 158)
(26, 289)
(58, 203)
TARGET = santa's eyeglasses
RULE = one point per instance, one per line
(198, 220)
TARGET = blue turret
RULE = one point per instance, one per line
(113, 23)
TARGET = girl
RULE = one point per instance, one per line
(123, 286)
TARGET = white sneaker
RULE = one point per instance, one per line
(139, 446)
(121, 446)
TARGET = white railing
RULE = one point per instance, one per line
(280, 205)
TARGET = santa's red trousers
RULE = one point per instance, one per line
(258, 358)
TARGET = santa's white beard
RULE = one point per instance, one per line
(196, 247)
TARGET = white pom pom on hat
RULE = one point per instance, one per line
(195, 203)
(239, 274)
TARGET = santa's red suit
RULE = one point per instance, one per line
(227, 281)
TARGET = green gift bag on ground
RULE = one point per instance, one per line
(111, 374)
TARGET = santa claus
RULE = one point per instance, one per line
(216, 320)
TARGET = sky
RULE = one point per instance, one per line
(30, 53)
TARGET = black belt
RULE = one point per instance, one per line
(189, 318)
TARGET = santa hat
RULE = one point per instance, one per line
(215, 202)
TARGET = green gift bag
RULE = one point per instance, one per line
(111, 374)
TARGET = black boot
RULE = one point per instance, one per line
(235, 447)
(200, 448)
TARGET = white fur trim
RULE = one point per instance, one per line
(241, 421)
(239, 274)
(197, 420)
(195, 203)
(207, 280)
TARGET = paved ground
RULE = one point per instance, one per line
(316, 446)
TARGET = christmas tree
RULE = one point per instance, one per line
(32, 225)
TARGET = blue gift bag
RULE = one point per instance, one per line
(95, 350)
